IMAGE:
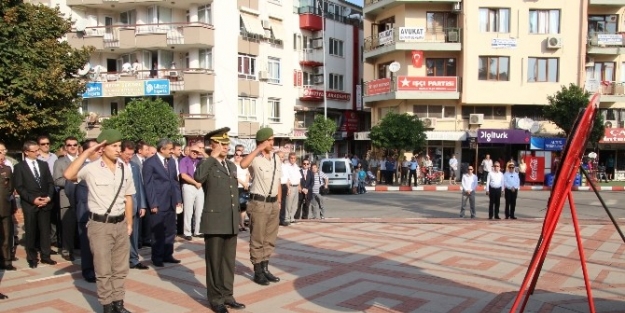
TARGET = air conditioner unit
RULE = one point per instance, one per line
(554, 42)
(318, 44)
(319, 70)
(452, 36)
(429, 122)
(265, 24)
(308, 50)
(610, 124)
(318, 80)
(173, 73)
(476, 119)
(263, 75)
(456, 7)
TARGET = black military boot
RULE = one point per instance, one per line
(108, 308)
(259, 275)
(268, 275)
(118, 307)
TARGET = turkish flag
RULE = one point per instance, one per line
(417, 58)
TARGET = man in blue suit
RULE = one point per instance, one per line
(139, 204)
(79, 199)
(162, 189)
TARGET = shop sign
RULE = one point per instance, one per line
(411, 33)
(385, 37)
(613, 135)
(314, 94)
(427, 83)
(350, 122)
(610, 39)
(139, 88)
(503, 43)
(509, 136)
(547, 144)
(378, 86)
(446, 136)
(535, 172)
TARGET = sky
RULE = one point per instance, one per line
(358, 2)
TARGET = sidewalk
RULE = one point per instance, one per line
(443, 187)
(362, 265)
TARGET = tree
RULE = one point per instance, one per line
(38, 94)
(147, 120)
(320, 135)
(399, 132)
(564, 106)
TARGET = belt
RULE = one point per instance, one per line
(260, 198)
(107, 219)
(294, 185)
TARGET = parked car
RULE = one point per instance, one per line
(339, 172)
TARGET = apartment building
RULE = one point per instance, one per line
(244, 64)
(476, 72)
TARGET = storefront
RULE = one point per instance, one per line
(548, 148)
(500, 144)
(441, 145)
(612, 151)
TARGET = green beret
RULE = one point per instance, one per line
(110, 135)
(219, 135)
(264, 134)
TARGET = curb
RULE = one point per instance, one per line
(481, 188)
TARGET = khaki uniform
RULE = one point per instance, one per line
(264, 215)
(108, 241)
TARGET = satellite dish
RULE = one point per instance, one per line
(525, 123)
(355, 16)
(394, 67)
(81, 25)
(535, 128)
(85, 70)
(347, 11)
(96, 72)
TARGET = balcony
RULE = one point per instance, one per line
(606, 43)
(310, 18)
(311, 57)
(413, 87)
(197, 124)
(92, 125)
(248, 129)
(249, 43)
(147, 36)
(249, 88)
(375, 7)
(413, 38)
(182, 80)
(610, 91)
(619, 3)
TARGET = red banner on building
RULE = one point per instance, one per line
(378, 86)
(427, 83)
(417, 58)
(297, 78)
(613, 135)
(535, 172)
(315, 94)
(350, 122)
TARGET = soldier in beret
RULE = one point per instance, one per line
(111, 188)
(264, 205)
(220, 220)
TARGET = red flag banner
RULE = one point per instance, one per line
(417, 58)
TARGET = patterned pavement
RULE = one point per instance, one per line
(363, 265)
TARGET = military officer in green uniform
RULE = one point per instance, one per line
(220, 220)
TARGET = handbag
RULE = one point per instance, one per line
(322, 189)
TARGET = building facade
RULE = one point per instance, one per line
(244, 64)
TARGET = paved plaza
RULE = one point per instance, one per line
(384, 252)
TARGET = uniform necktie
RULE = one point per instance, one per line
(165, 164)
(224, 164)
(37, 177)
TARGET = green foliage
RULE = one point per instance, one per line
(564, 107)
(399, 132)
(38, 94)
(320, 135)
(70, 128)
(147, 120)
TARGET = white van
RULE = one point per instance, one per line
(339, 172)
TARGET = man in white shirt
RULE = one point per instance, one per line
(494, 183)
(469, 184)
(487, 166)
(293, 180)
(284, 180)
(453, 167)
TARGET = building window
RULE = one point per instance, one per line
(274, 110)
(493, 20)
(336, 47)
(383, 70)
(204, 14)
(386, 110)
(273, 68)
(602, 71)
(432, 111)
(206, 59)
(206, 104)
(602, 24)
(494, 68)
(128, 17)
(84, 107)
(441, 67)
(542, 70)
(247, 108)
(449, 112)
(544, 21)
(490, 112)
(247, 66)
(336, 82)
(436, 21)
(308, 78)
(530, 111)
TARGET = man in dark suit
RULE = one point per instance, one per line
(306, 182)
(220, 221)
(80, 199)
(67, 212)
(139, 204)
(6, 214)
(34, 184)
(162, 190)
(142, 153)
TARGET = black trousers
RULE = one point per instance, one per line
(68, 230)
(146, 230)
(494, 196)
(86, 257)
(37, 221)
(220, 254)
(303, 206)
(510, 202)
(411, 176)
(6, 240)
(164, 234)
(285, 189)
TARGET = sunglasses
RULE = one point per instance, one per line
(470, 169)
(306, 163)
(496, 166)
(238, 155)
(44, 144)
(195, 151)
(74, 145)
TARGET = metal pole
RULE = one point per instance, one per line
(323, 47)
